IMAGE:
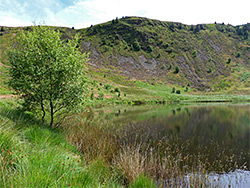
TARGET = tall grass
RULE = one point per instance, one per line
(32, 155)
(135, 163)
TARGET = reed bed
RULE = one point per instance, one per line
(135, 163)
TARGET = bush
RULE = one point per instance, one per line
(238, 54)
(107, 86)
(209, 70)
(150, 49)
(170, 66)
(92, 96)
(117, 90)
(136, 46)
(194, 54)
(177, 69)
(173, 90)
(178, 91)
(229, 60)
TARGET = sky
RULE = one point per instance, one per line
(84, 13)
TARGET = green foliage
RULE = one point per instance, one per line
(2, 29)
(238, 54)
(173, 90)
(47, 73)
(150, 49)
(117, 89)
(142, 181)
(209, 70)
(178, 91)
(245, 77)
(136, 45)
(163, 66)
(100, 96)
(177, 69)
(108, 87)
(228, 61)
(194, 54)
(169, 67)
(92, 96)
(104, 41)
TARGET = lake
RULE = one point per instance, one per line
(216, 134)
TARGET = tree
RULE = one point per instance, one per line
(47, 72)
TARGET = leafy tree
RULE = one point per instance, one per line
(47, 73)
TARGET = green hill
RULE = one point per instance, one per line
(205, 57)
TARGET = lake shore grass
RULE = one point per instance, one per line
(81, 153)
(33, 155)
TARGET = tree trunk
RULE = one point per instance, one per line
(51, 113)
(44, 113)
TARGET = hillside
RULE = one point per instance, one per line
(205, 57)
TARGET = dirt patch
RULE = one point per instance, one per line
(6, 96)
(1, 64)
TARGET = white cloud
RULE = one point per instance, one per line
(83, 13)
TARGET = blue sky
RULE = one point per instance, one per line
(83, 13)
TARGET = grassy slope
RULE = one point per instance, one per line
(172, 45)
(32, 155)
(166, 45)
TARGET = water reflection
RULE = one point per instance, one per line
(217, 134)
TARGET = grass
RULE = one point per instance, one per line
(33, 155)
(133, 163)
(85, 152)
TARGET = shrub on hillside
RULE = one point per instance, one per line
(194, 54)
(229, 60)
(136, 45)
(238, 54)
(177, 69)
(178, 91)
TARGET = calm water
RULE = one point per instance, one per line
(219, 133)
